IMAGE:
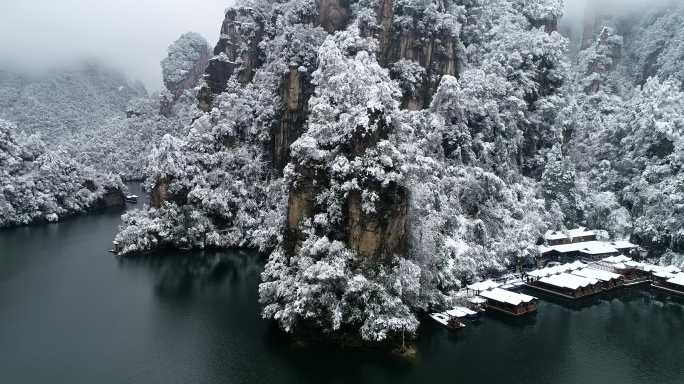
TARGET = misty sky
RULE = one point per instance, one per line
(131, 35)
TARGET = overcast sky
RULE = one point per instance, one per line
(574, 9)
(131, 35)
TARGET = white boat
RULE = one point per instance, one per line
(446, 320)
(132, 198)
(467, 312)
(457, 313)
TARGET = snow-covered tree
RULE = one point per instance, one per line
(40, 185)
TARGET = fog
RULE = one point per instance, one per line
(130, 35)
(574, 9)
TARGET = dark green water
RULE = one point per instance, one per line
(72, 313)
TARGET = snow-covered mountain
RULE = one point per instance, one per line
(385, 152)
(382, 152)
(66, 101)
(101, 118)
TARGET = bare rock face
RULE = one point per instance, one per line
(437, 53)
(295, 91)
(185, 64)
(112, 198)
(333, 14)
(237, 53)
(376, 236)
(301, 205)
(379, 235)
(160, 194)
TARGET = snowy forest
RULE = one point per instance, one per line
(380, 153)
(71, 136)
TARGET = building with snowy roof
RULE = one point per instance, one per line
(577, 235)
(568, 285)
(511, 303)
(591, 250)
(482, 286)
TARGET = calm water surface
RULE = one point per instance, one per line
(72, 313)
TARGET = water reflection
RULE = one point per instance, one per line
(70, 312)
(184, 274)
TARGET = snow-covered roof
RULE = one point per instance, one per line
(596, 274)
(620, 266)
(555, 235)
(623, 244)
(503, 296)
(616, 259)
(484, 285)
(465, 310)
(460, 312)
(566, 280)
(649, 267)
(678, 279)
(557, 269)
(570, 234)
(477, 300)
(598, 248)
(589, 247)
(576, 265)
(633, 264)
(668, 272)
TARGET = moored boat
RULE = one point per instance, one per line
(447, 321)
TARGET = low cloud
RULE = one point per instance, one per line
(574, 9)
(130, 35)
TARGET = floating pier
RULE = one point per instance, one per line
(591, 267)
(672, 282)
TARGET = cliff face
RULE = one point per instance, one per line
(238, 55)
(436, 50)
(237, 49)
(295, 91)
(375, 236)
(333, 14)
(185, 63)
(318, 148)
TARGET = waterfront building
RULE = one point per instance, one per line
(673, 284)
(511, 303)
(607, 280)
(568, 285)
(577, 235)
(479, 287)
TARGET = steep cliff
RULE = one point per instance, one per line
(182, 69)
(373, 148)
(236, 53)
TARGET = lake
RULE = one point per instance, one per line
(70, 312)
